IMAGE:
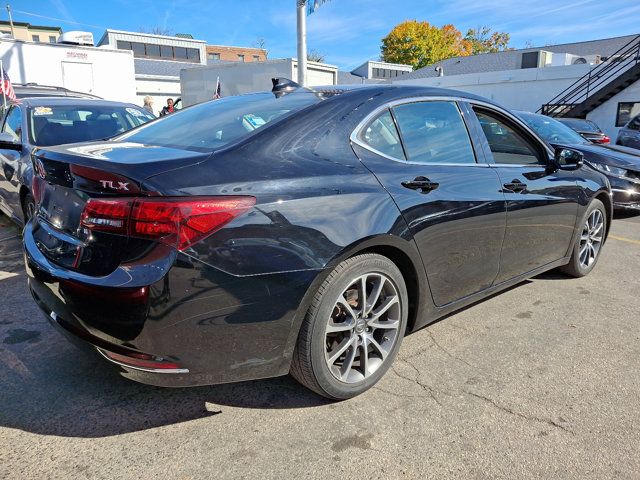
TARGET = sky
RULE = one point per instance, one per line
(347, 32)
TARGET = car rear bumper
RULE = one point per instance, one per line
(215, 327)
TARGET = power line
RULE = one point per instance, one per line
(59, 19)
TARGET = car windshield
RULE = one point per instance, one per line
(59, 124)
(579, 125)
(211, 125)
(551, 131)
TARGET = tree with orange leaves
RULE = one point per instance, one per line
(420, 44)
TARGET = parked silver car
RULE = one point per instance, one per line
(629, 135)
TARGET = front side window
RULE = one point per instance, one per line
(434, 132)
(508, 145)
(381, 135)
(13, 124)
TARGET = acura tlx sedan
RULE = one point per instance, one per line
(300, 231)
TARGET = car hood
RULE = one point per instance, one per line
(614, 155)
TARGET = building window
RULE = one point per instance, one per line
(193, 54)
(138, 49)
(376, 73)
(626, 111)
(122, 45)
(166, 51)
(256, 58)
(240, 58)
(153, 50)
(180, 53)
(52, 39)
(213, 56)
(35, 38)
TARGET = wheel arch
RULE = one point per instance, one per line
(400, 251)
(606, 200)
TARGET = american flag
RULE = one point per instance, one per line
(5, 85)
(216, 94)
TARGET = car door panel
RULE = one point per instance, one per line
(458, 223)
(542, 203)
(10, 163)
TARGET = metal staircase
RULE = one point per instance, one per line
(602, 82)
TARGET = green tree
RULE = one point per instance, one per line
(420, 44)
(484, 40)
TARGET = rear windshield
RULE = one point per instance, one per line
(581, 125)
(212, 125)
(59, 124)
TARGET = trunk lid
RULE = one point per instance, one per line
(67, 177)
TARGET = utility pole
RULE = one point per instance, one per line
(302, 41)
(13, 33)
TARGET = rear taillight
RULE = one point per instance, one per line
(175, 221)
(605, 139)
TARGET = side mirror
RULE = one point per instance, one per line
(568, 159)
(7, 141)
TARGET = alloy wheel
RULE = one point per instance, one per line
(363, 327)
(591, 238)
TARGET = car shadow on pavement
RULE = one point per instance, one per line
(72, 393)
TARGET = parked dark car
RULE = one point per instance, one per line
(587, 129)
(621, 165)
(45, 121)
(629, 135)
(263, 234)
(30, 90)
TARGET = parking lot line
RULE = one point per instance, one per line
(623, 239)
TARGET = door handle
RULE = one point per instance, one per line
(515, 186)
(421, 183)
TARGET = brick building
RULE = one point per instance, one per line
(235, 54)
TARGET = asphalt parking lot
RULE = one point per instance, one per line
(541, 381)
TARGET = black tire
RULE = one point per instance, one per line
(310, 365)
(576, 267)
(28, 207)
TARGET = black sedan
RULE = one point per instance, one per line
(587, 129)
(45, 121)
(301, 232)
(621, 165)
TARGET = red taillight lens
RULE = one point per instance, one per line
(605, 139)
(37, 189)
(179, 222)
(107, 215)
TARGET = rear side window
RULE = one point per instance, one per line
(212, 125)
(434, 132)
(381, 135)
(508, 145)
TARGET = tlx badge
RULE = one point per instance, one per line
(111, 184)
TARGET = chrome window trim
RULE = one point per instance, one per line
(435, 98)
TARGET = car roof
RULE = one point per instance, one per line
(402, 90)
(75, 101)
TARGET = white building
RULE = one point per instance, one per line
(199, 84)
(103, 72)
(158, 61)
(598, 80)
